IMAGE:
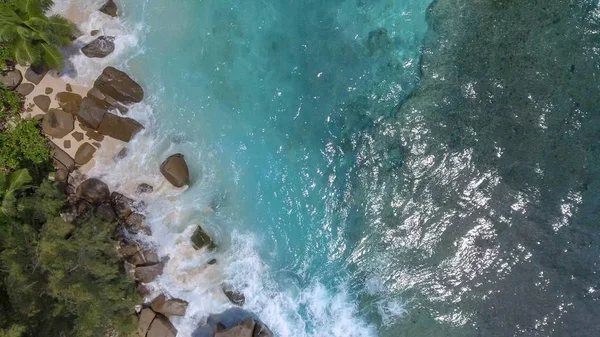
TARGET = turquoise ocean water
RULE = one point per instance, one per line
(341, 211)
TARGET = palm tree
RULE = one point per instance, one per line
(9, 184)
(31, 37)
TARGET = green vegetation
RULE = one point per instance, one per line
(56, 278)
(23, 145)
(10, 102)
(29, 36)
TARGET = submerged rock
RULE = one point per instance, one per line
(378, 41)
(93, 190)
(100, 47)
(118, 85)
(120, 128)
(175, 170)
(200, 239)
(11, 79)
(110, 8)
(236, 297)
(169, 307)
(58, 123)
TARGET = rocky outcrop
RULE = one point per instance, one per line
(110, 8)
(200, 239)
(84, 153)
(244, 329)
(234, 296)
(11, 79)
(147, 274)
(120, 128)
(90, 114)
(25, 89)
(35, 74)
(93, 190)
(69, 101)
(100, 47)
(43, 102)
(169, 307)
(58, 123)
(119, 86)
(175, 170)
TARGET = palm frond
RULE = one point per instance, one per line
(51, 56)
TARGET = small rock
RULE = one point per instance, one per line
(169, 307)
(84, 154)
(91, 134)
(212, 261)
(35, 74)
(11, 79)
(57, 123)
(97, 145)
(122, 154)
(62, 175)
(25, 89)
(161, 327)
(69, 101)
(90, 114)
(119, 85)
(100, 47)
(77, 135)
(200, 239)
(148, 274)
(146, 318)
(68, 88)
(48, 90)
(93, 190)
(175, 170)
(128, 249)
(105, 212)
(234, 296)
(144, 188)
(120, 128)
(67, 144)
(95, 32)
(42, 101)
(109, 8)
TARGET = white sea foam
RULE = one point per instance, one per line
(172, 215)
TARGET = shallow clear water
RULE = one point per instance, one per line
(341, 212)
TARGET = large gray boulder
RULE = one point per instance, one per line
(109, 8)
(11, 79)
(119, 85)
(93, 190)
(169, 307)
(35, 74)
(244, 329)
(148, 274)
(90, 114)
(161, 327)
(69, 102)
(58, 123)
(25, 89)
(100, 47)
(120, 128)
(175, 170)
(84, 153)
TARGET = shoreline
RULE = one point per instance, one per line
(87, 127)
